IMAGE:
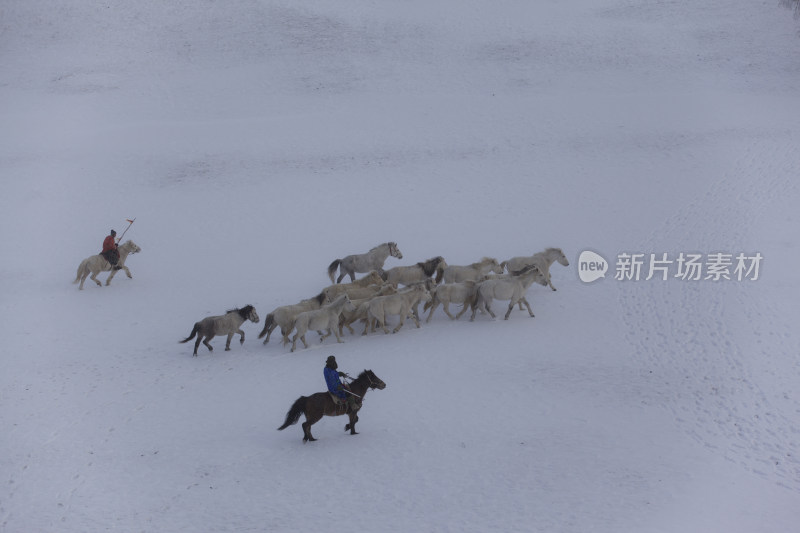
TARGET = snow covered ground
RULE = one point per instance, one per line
(256, 141)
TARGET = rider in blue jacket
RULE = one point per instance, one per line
(335, 385)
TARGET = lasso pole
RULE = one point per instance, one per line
(130, 223)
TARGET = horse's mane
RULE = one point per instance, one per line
(483, 261)
(363, 374)
(244, 312)
(320, 298)
(524, 270)
(429, 266)
(380, 246)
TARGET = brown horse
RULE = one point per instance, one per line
(321, 404)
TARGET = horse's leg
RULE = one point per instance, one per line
(488, 307)
(241, 338)
(525, 301)
(127, 271)
(446, 308)
(338, 337)
(463, 310)
(208, 344)
(302, 337)
(434, 305)
(352, 425)
(415, 315)
(93, 277)
(475, 305)
(311, 419)
(324, 335)
(511, 308)
(415, 310)
(228, 342)
(403, 316)
(197, 344)
(382, 321)
(343, 271)
(347, 426)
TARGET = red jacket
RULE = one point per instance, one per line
(109, 244)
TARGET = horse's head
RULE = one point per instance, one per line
(394, 251)
(373, 278)
(559, 255)
(248, 312)
(131, 247)
(532, 270)
(495, 267)
(374, 381)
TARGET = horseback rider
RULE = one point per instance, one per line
(339, 390)
(110, 252)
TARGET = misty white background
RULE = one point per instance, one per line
(256, 141)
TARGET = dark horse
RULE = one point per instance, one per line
(321, 403)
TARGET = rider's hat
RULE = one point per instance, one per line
(330, 359)
(113, 232)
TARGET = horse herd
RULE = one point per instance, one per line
(396, 291)
(379, 294)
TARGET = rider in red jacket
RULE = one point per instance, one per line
(110, 251)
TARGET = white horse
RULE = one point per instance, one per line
(368, 284)
(372, 260)
(227, 324)
(401, 304)
(512, 289)
(97, 263)
(284, 315)
(359, 312)
(408, 275)
(472, 272)
(542, 260)
(455, 293)
(326, 317)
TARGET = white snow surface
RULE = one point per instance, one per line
(257, 141)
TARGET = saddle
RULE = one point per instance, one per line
(112, 256)
(342, 403)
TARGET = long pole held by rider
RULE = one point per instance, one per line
(130, 223)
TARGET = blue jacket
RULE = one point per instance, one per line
(334, 384)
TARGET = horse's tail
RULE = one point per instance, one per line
(194, 331)
(332, 268)
(476, 299)
(269, 320)
(293, 415)
(81, 270)
(287, 331)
